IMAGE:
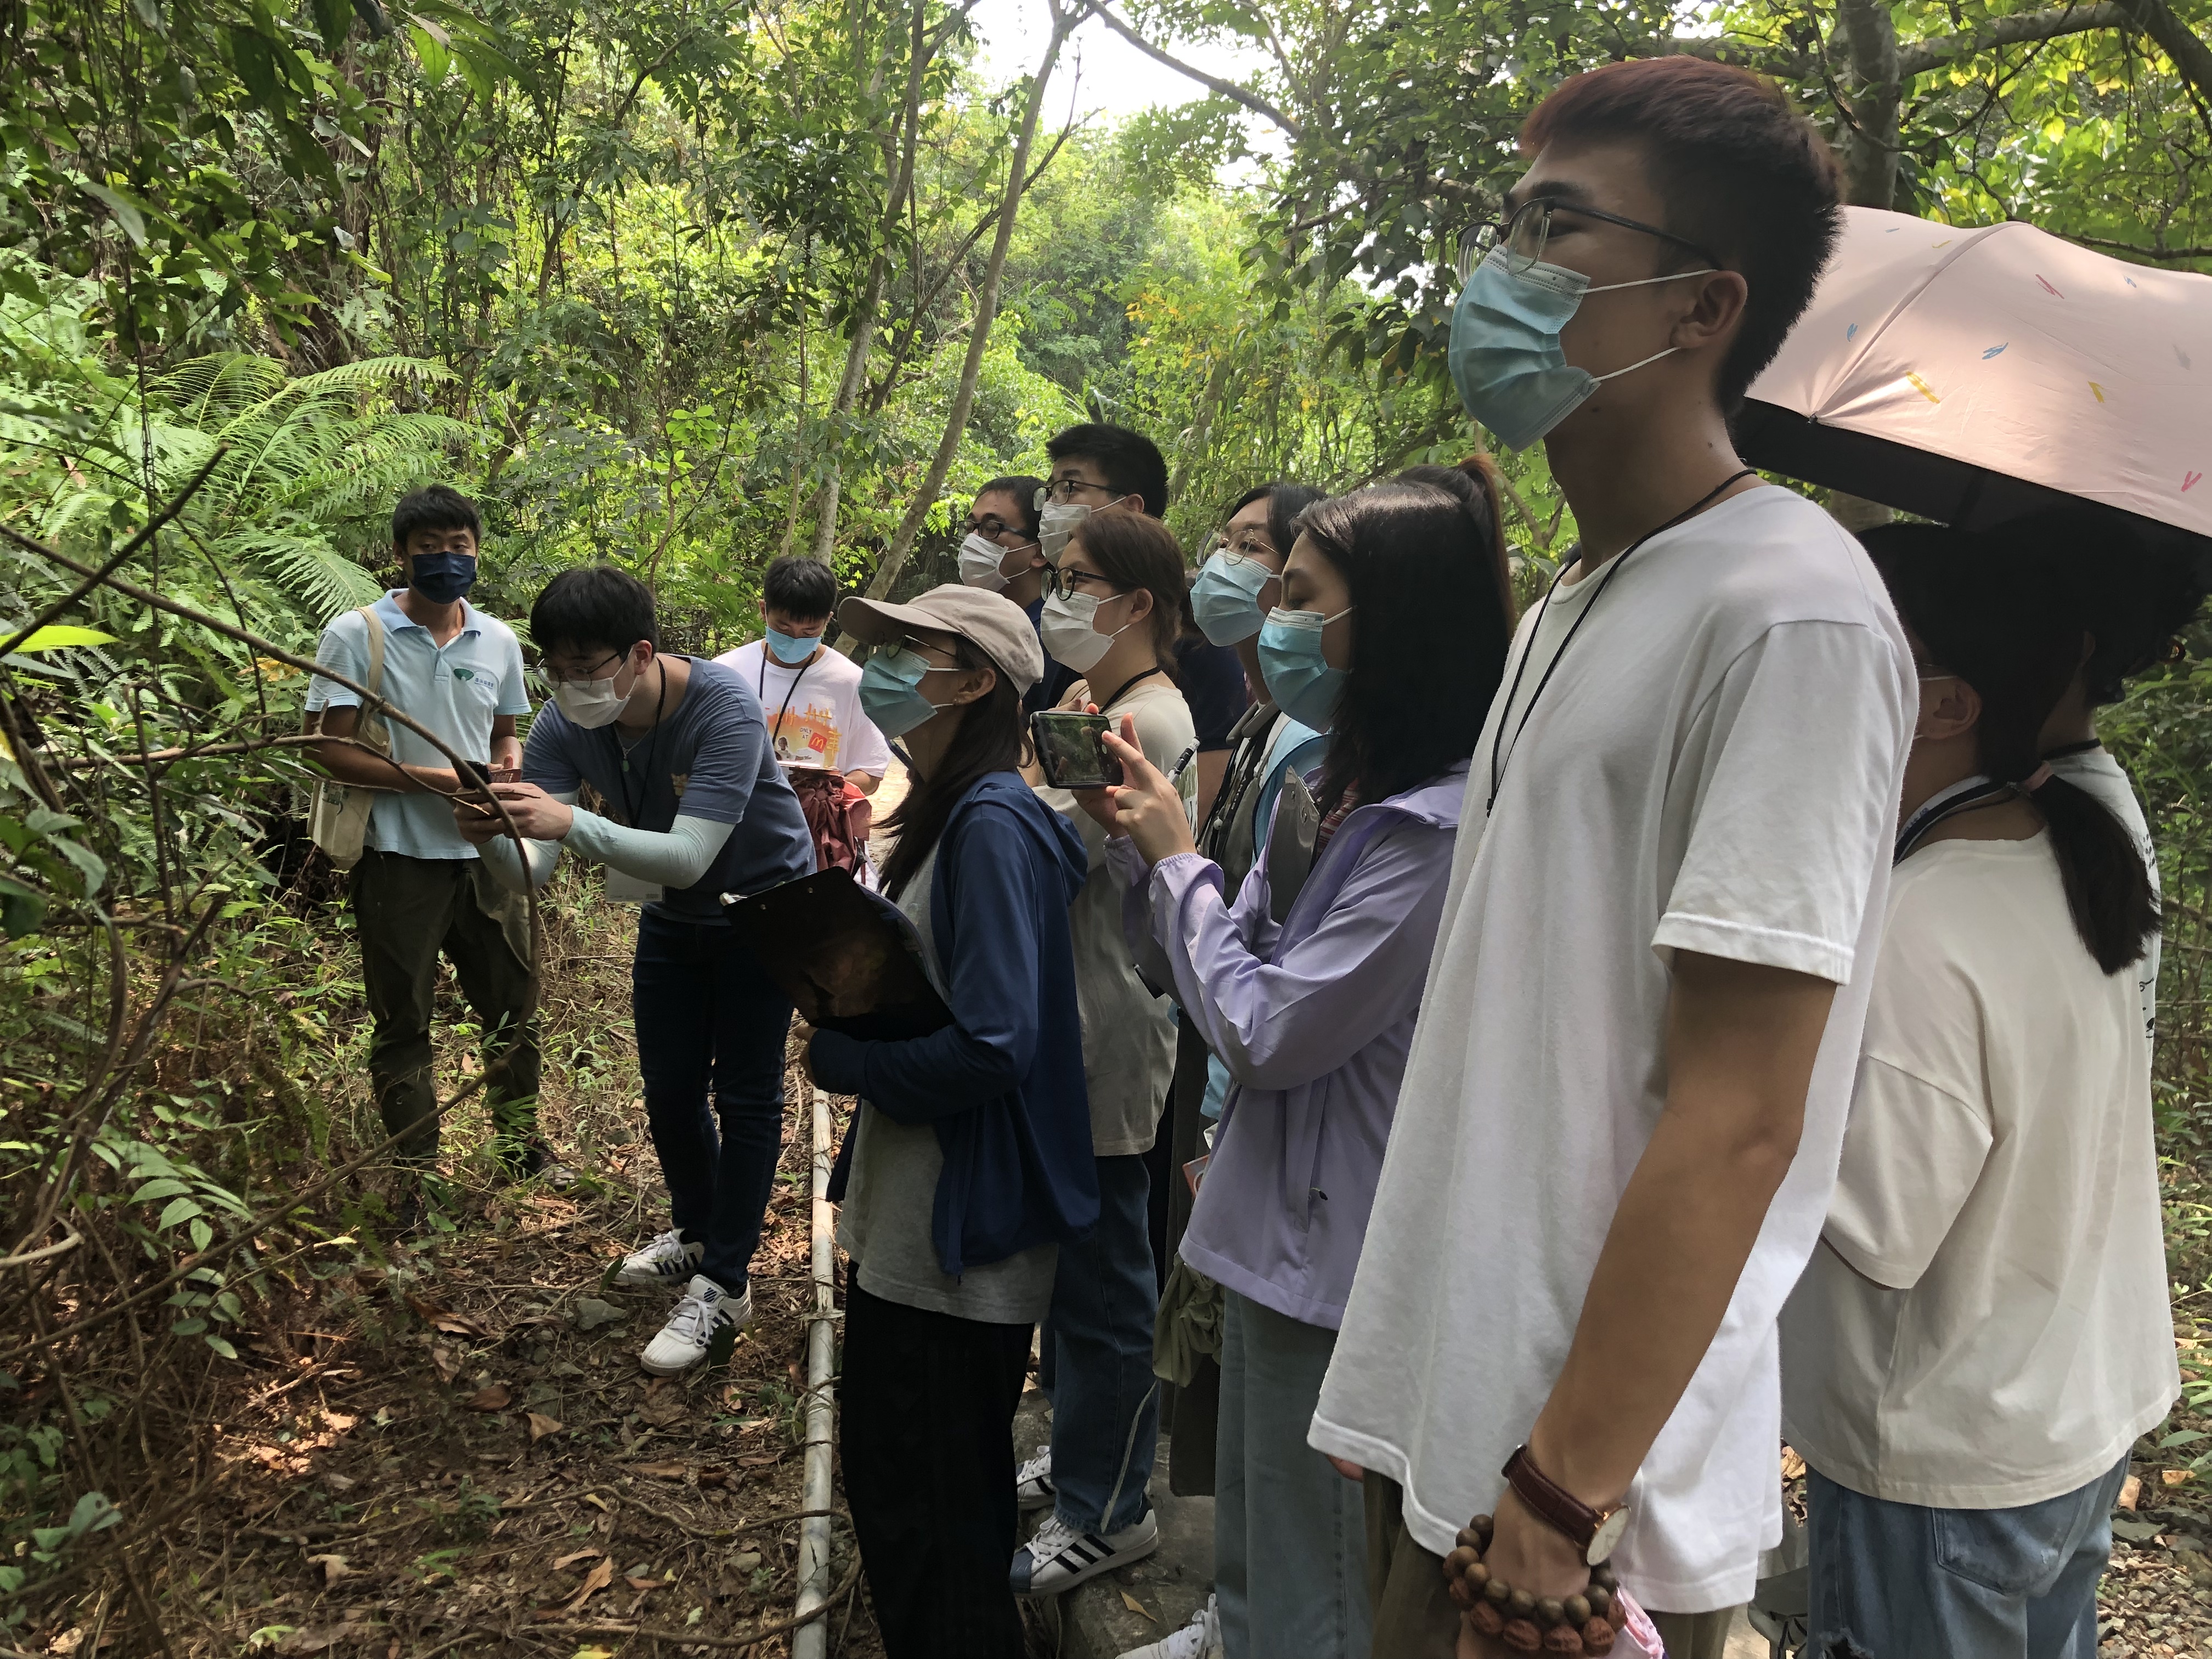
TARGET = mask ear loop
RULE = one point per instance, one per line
(1646, 282)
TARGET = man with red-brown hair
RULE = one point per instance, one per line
(1621, 1119)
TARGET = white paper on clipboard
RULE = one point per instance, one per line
(629, 889)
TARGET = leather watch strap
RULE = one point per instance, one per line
(1560, 1508)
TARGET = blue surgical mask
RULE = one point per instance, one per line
(442, 578)
(1505, 356)
(1226, 597)
(791, 649)
(1300, 680)
(890, 694)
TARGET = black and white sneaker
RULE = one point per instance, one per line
(704, 1325)
(1059, 1558)
(667, 1260)
(1033, 1487)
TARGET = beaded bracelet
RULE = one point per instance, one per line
(1526, 1623)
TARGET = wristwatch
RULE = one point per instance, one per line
(1594, 1531)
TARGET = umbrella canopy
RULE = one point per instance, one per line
(1968, 375)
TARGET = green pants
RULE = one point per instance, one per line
(407, 910)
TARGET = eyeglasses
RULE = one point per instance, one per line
(1251, 545)
(582, 675)
(993, 528)
(1063, 583)
(1062, 490)
(927, 650)
(1524, 234)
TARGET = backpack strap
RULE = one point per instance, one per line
(375, 674)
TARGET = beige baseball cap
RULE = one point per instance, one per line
(990, 622)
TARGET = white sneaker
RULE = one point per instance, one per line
(1199, 1639)
(1059, 1558)
(706, 1316)
(667, 1260)
(1033, 1487)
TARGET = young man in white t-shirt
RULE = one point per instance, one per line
(1620, 1117)
(810, 694)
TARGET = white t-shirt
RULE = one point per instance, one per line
(813, 713)
(1714, 767)
(1987, 1324)
(2097, 772)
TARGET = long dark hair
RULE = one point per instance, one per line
(1423, 563)
(990, 739)
(1132, 551)
(2005, 614)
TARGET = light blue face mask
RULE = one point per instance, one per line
(1505, 355)
(1299, 679)
(791, 649)
(890, 694)
(1226, 597)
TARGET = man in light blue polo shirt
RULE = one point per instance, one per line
(420, 888)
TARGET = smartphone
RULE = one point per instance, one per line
(479, 771)
(1070, 750)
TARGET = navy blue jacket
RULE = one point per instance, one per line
(1003, 1084)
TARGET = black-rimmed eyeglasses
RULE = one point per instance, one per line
(1524, 234)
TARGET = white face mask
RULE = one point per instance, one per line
(979, 559)
(1055, 524)
(590, 703)
(1070, 629)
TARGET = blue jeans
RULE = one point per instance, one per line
(1105, 1400)
(711, 1022)
(1290, 1534)
(1895, 1580)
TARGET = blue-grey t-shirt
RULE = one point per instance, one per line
(709, 757)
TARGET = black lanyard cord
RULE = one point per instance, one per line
(789, 692)
(1496, 761)
(1105, 703)
(653, 743)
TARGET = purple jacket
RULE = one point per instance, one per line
(1313, 1019)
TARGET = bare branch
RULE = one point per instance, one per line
(2018, 29)
(1213, 83)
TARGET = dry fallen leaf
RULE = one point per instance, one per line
(2131, 1493)
(661, 1471)
(761, 1462)
(334, 1568)
(595, 1581)
(1135, 1606)
(448, 1367)
(337, 1482)
(492, 1397)
(439, 1317)
(2176, 1477)
(570, 1559)
(642, 1584)
(598, 1503)
(541, 1426)
(1793, 1465)
(714, 1477)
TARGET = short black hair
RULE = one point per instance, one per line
(1023, 490)
(1741, 172)
(1132, 462)
(800, 586)
(434, 506)
(1286, 501)
(594, 607)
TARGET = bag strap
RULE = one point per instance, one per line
(375, 669)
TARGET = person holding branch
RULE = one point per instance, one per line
(1306, 983)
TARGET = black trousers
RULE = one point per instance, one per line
(926, 1436)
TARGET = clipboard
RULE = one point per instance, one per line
(847, 959)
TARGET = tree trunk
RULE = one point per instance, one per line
(1870, 151)
(871, 293)
(979, 333)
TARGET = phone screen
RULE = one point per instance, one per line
(1070, 752)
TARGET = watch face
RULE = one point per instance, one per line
(1607, 1535)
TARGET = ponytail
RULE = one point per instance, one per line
(2005, 615)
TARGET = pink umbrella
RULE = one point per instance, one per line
(1967, 376)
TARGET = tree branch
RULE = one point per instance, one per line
(1213, 83)
(2137, 249)
(2192, 58)
(2018, 29)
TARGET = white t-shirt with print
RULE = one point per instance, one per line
(2095, 771)
(1713, 767)
(1986, 1324)
(813, 713)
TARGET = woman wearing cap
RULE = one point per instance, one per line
(970, 1151)
(1390, 635)
(1118, 604)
